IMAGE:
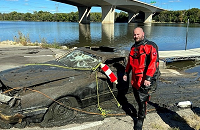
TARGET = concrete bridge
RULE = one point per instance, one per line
(133, 7)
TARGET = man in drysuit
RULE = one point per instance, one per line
(143, 61)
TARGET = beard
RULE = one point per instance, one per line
(138, 39)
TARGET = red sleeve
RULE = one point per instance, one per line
(153, 54)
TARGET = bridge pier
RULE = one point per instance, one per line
(84, 34)
(107, 33)
(108, 14)
(148, 17)
(84, 14)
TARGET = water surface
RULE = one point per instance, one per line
(167, 36)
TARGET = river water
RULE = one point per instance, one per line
(168, 36)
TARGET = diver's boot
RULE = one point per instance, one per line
(141, 116)
(139, 124)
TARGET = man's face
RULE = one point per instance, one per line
(138, 35)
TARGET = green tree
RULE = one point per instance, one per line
(14, 15)
(121, 17)
(198, 16)
(27, 17)
(164, 16)
(95, 17)
(1, 16)
(179, 16)
(192, 14)
(73, 17)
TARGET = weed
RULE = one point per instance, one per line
(55, 45)
(193, 121)
(157, 126)
(22, 39)
(25, 40)
(43, 41)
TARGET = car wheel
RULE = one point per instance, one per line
(58, 114)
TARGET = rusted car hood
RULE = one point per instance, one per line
(34, 75)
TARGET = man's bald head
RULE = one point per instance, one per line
(138, 34)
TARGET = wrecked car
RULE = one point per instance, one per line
(41, 92)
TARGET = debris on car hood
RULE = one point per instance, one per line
(34, 75)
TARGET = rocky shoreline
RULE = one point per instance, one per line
(163, 114)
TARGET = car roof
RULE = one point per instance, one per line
(104, 52)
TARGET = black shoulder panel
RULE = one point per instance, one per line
(153, 44)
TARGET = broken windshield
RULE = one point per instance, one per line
(80, 59)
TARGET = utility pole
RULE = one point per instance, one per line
(56, 7)
(187, 34)
(56, 12)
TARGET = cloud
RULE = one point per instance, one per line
(42, 7)
(52, 10)
(12, 0)
(172, 1)
(26, 2)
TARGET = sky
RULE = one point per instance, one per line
(24, 6)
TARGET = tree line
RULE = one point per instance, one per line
(165, 16)
(58, 17)
(179, 16)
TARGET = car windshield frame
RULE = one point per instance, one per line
(80, 59)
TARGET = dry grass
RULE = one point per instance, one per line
(22, 39)
(193, 121)
(179, 120)
(157, 126)
(24, 43)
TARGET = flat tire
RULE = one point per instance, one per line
(59, 113)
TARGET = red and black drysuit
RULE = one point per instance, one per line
(143, 61)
